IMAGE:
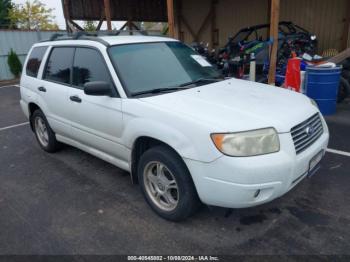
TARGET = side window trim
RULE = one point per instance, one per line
(71, 65)
(114, 88)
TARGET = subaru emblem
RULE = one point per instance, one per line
(309, 130)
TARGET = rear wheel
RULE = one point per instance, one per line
(166, 184)
(43, 132)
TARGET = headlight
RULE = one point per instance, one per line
(314, 102)
(313, 37)
(249, 143)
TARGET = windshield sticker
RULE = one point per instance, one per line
(201, 60)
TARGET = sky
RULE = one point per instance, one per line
(58, 13)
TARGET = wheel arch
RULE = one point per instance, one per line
(32, 107)
(140, 146)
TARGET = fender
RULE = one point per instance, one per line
(185, 147)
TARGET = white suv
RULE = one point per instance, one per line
(154, 107)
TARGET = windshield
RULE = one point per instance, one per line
(150, 66)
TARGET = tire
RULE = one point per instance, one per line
(44, 134)
(344, 90)
(172, 169)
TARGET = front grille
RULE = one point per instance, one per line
(306, 133)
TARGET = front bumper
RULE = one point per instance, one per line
(238, 182)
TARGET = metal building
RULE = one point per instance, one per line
(214, 21)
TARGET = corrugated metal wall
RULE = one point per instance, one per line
(234, 15)
(135, 10)
(325, 18)
(20, 42)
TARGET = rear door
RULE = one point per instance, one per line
(96, 120)
(29, 80)
(54, 87)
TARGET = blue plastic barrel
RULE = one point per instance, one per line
(322, 85)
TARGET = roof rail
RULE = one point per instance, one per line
(55, 36)
(131, 32)
(81, 35)
(93, 36)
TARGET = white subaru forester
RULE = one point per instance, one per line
(154, 107)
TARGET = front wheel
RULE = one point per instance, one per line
(166, 184)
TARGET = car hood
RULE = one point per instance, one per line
(237, 105)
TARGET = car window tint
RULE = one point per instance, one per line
(34, 60)
(89, 66)
(58, 67)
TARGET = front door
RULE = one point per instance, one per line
(96, 120)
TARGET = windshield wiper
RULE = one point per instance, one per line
(201, 80)
(158, 91)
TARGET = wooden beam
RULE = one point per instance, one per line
(274, 21)
(99, 24)
(108, 14)
(209, 20)
(171, 22)
(65, 4)
(123, 27)
(101, 20)
(129, 27)
(189, 28)
(76, 25)
(134, 26)
(213, 29)
(345, 36)
(180, 35)
(205, 22)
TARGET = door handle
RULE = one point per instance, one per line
(42, 89)
(76, 99)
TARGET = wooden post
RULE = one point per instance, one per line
(345, 36)
(213, 29)
(66, 15)
(180, 34)
(274, 21)
(171, 22)
(108, 14)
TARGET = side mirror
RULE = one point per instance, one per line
(97, 88)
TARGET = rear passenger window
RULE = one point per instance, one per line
(58, 67)
(89, 66)
(34, 61)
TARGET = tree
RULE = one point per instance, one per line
(90, 26)
(32, 15)
(14, 64)
(5, 7)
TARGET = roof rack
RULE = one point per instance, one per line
(130, 32)
(81, 35)
(94, 36)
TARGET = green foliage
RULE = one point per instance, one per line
(32, 15)
(14, 64)
(5, 7)
(89, 26)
